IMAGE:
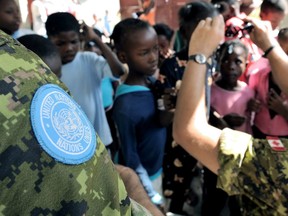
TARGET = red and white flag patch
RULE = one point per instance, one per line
(275, 143)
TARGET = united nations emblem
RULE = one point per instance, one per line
(61, 127)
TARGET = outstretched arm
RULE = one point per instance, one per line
(116, 66)
(191, 129)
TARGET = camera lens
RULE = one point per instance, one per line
(248, 27)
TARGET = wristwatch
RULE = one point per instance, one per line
(198, 58)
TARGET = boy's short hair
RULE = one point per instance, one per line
(40, 45)
(230, 2)
(274, 5)
(283, 34)
(45, 49)
(61, 22)
(124, 29)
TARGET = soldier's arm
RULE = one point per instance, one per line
(191, 129)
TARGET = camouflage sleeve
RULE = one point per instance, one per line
(233, 148)
(139, 210)
(32, 182)
(257, 169)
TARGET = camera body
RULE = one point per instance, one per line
(233, 31)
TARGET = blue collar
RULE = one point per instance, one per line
(125, 89)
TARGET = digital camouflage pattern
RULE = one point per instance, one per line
(252, 169)
(31, 182)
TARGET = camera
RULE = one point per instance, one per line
(233, 31)
(248, 27)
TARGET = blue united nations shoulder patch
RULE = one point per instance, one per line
(61, 127)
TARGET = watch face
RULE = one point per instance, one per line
(201, 59)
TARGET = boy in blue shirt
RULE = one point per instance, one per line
(141, 136)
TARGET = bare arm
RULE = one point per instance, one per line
(116, 66)
(190, 128)
(262, 36)
(135, 189)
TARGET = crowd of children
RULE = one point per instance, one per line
(128, 113)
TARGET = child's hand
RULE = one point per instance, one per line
(169, 98)
(216, 120)
(276, 103)
(253, 105)
(88, 32)
(234, 120)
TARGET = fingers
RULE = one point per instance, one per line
(202, 35)
(218, 22)
(262, 33)
(273, 93)
(201, 24)
(169, 98)
(214, 23)
(254, 105)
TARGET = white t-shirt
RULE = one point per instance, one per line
(39, 16)
(83, 78)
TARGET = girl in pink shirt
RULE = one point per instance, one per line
(270, 104)
(229, 96)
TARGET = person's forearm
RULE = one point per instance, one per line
(116, 66)
(135, 189)
(145, 180)
(262, 36)
(190, 128)
(279, 66)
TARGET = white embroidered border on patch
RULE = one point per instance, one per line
(61, 127)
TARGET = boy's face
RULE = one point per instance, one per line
(141, 52)
(164, 44)
(10, 18)
(68, 44)
(274, 17)
(233, 64)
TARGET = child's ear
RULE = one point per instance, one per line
(121, 56)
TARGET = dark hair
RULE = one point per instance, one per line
(283, 34)
(163, 29)
(124, 29)
(230, 2)
(228, 8)
(61, 22)
(273, 5)
(192, 13)
(235, 43)
(40, 45)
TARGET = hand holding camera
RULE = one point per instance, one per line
(87, 32)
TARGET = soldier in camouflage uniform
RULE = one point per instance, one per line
(256, 169)
(42, 177)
